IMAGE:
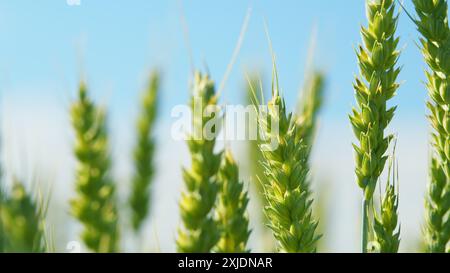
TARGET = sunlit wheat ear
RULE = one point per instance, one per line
(22, 220)
(374, 87)
(144, 154)
(95, 203)
(288, 203)
(432, 23)
(199, 232)
(231, 210)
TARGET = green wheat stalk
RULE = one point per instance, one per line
(144, 154)
(200, 232)
(289, 205)
(433, 25)
(373, 88)
(231, 210)
(95, 204)
(22, 222)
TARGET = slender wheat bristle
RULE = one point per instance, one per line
(289, 205)
(200, 232)
(95, 204)
(22, 222)
(231, 210)
(433, 25)
(375, 86)
(144, 154)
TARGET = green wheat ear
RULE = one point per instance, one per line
(22, 222)
(286, 168)
(309, 108)
(386, 227)
(375, 86)
(254, 154)
(2, 229)
(144, 154)
(387, 234)
(433, 25)
(95, 204)
(200, 232)
(231, 210)
(308, 111)
(254, 160)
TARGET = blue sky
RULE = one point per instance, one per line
(46, 45)
(115, 43)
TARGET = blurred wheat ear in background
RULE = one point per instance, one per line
(288, 202)
(200, 232)
(21, 221)
(256, 170)
(433, 25)
(2, 203)
(309, 107)
(231, 211)
(95, 203)
(143, 155)
(307, 119)
(376, 85)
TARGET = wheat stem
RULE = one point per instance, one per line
(365, 225)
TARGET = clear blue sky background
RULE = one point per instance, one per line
(46, 44)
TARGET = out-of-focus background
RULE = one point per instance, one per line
(46, 46)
